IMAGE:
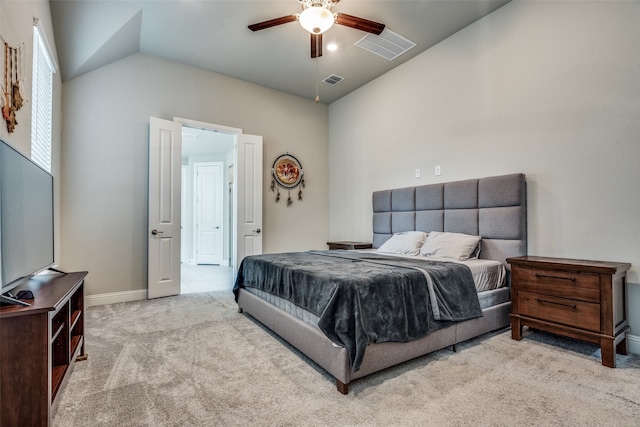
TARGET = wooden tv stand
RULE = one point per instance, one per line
(38, 347)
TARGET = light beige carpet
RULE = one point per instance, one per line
(192, 360)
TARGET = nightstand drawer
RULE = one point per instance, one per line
(580, 314)
(574, 285)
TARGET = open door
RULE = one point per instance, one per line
(165, 168)
(248, 230)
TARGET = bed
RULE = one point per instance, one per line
(339, 308)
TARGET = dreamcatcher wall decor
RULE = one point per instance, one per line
(12, 99)
(287, 174)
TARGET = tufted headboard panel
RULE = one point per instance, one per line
(494, 208)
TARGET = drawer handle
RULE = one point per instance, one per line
(557, 303)
(573, 279)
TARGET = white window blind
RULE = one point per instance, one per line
(42, 99)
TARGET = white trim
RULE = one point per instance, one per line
(633, 344)
(43, 36)
(207, 126)
(115, 297)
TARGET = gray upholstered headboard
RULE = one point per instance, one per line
(494, 208)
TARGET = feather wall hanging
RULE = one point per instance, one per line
(287, 174)
(12, 99)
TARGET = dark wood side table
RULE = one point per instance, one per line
(580, 299)
(348, 245)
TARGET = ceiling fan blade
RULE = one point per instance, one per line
(272, 22)
(316, 45)
(359, 23)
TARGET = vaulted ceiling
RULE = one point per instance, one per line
(213, 35)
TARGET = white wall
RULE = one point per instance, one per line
(550, 89)
(16, 27)
(105, 146)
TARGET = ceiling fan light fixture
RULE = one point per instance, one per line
(316, 19)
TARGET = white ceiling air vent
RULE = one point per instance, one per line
(388, 44)
(333, 79)
(187, 136)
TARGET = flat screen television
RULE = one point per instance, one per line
(26, 220)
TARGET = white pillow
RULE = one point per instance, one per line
(449, 245)
(405, 243)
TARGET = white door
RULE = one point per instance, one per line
(209, 212)
(165, 164)
(248, 198)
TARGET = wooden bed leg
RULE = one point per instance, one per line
(239, 309)
(454, 347)
(342, 387)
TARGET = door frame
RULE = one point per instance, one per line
(183, 191)
(236, 132)
(189, 123)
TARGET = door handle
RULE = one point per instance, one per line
(155, 232)
(257, 231)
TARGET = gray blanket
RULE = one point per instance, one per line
(362, 298)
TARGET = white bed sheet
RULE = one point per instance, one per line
(487, 274)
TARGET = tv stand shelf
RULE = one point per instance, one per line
(38, 347)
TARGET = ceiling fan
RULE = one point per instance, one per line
(316, 17)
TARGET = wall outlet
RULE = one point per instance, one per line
(418, 173)
(437, 170)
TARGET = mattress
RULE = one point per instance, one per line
(488, 276)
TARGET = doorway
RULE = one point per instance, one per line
(206, 215)
(165, 208)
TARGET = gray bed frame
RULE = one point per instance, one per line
(492, 207)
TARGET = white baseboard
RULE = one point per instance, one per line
(633, 344)
(114, 297)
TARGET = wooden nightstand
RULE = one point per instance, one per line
(575, 298)
(349, 245)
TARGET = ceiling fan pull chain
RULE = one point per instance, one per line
(317, 84)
